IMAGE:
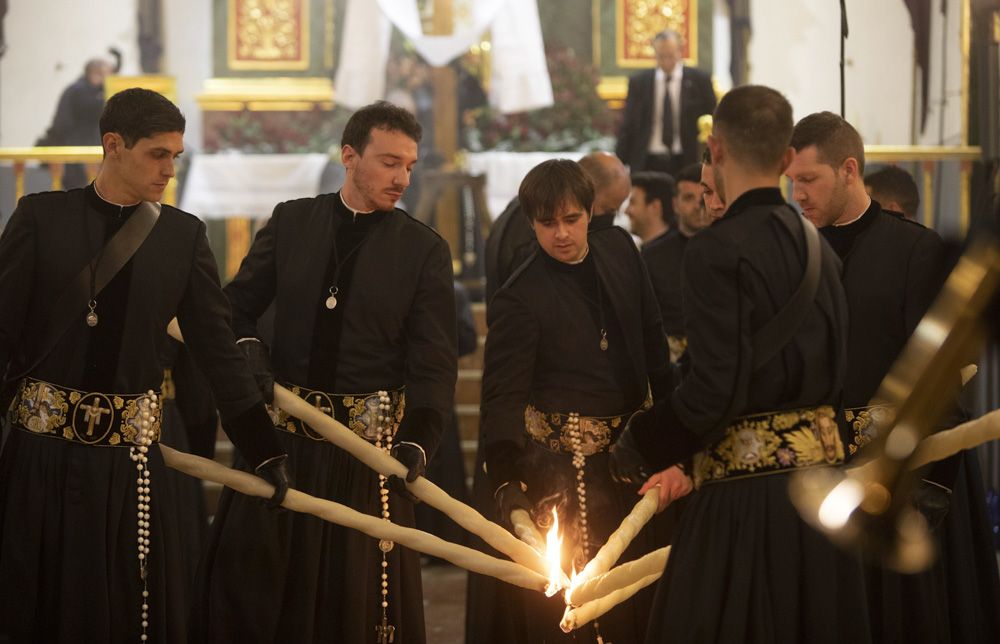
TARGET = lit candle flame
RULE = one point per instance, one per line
(553, 554)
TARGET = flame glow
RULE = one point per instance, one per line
(553, 555)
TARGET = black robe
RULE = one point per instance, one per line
(543, 349)
(68, 557)
(394, 326)
(663, 257)
(892, 271)
(744, 567)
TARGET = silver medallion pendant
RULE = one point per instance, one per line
(92, 315)
(331, 302)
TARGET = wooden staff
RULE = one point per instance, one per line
(375, 527)
(384, 464)
(618, 577)
(620, 538)
(574, 618)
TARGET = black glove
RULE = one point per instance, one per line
(933, 501)
(259, 363)
(275, 471)
(626, 462)
(413, 457)
(509, 497)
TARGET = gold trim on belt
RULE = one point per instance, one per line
(863, 424)
(596, 432)
(359, 412)
(87, 418)
(772, 443)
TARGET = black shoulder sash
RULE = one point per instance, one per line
(778, 332)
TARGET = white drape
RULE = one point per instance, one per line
(520, 75)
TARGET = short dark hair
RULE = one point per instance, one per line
(892, 183)
(756, 124)
(835, 139)
(690, 173)
(381, 115)
(138, 113)
(659, 186)
(552, 184)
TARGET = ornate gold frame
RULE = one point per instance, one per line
(235, 63)
(631, 63)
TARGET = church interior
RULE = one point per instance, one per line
(498, 86)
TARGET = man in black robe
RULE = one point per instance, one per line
(512, 240)
(744, 567)
(664, 253)
(75, 563)
(895, 189)
(364, 329)
(574, 344)
(892, 271)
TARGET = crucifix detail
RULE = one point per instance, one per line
(318, 404)
(386, 632)
(93, 415)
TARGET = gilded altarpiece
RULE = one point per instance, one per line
(623, 31)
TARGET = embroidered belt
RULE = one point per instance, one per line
(772, 443)
(95, 418)
(863, 424)
(550, 431)
(359, 412)
(677, 344)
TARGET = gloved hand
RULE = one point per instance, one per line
(626, 462)
(259, 363)
(509, 497)
(413, 457)
(933, 501)
(275, 471)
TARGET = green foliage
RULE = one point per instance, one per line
(276, 132)
(579, 118)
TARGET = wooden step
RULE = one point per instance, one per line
(467, 390)
(479, 317)
(474, 360)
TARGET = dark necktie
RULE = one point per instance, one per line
(668, 117)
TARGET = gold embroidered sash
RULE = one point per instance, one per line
(88, 418)
(772, 443)
(359, 412)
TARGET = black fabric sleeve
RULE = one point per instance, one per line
(431, 348)
(716, 387)
(17, 268)
(508, 372)
(252, 289)
(203, 315)
(924, 277)
(658, 367)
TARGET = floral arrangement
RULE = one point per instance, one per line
(579, 118)
(275, 132)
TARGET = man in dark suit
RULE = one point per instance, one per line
(660, 127)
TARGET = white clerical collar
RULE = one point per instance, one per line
(353, 211)
(863, 211)
(116, 205)
(580, 261)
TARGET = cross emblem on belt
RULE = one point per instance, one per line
(43, 391)
(93, 415)
(318, 402)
